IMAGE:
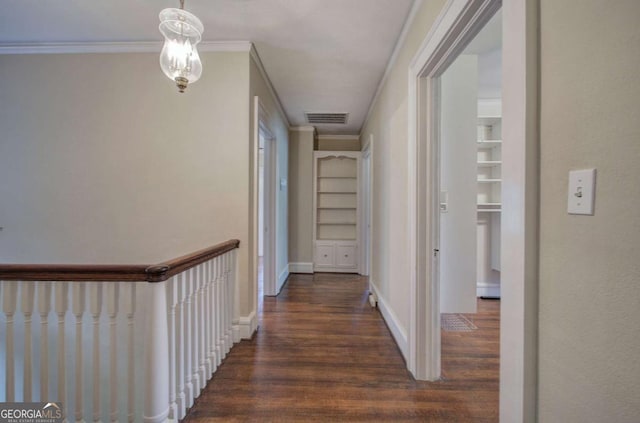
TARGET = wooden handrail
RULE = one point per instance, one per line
(113, 273)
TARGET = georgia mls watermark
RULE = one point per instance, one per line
(31, 412)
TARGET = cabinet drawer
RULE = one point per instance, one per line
(346, 256)
(324, 255)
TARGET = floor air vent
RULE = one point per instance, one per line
(327, 118)
(456, 323)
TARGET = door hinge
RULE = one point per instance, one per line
(435, 252)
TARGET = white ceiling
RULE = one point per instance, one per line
(488, 46)
(321, 55)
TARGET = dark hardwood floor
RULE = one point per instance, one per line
(323, 354)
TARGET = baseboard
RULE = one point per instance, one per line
(484, 289)
(301, 267)
(399, 335)
(282, 278)
(245, 327)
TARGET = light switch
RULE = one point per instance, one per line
(582, 191)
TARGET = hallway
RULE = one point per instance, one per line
(323, 354)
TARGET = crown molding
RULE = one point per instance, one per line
(117, 47)
(394, 56)
(339, 137)
(276, 99)
(302, 128)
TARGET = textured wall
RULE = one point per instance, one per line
(589, 265)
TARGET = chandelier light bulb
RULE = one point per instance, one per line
(179, 58)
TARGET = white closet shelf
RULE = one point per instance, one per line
(337, 223)
(489, 143)
(337, 192)
(489, 163)
(337, 177)
(336, 208)
(489, 180)
(489, 210)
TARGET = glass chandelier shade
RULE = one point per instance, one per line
(179, 58)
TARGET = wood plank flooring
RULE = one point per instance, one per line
(322, 354)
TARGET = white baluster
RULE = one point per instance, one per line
(186, 282)
(202, 278)
(113, 297)
(218, 309)
(95, 308)
(212, 315)
(9, 297)
(180, 361)
(232, 289)
(172, 298)
(61, 305)
(207, 314)
(195, 352)
(229, 305)
(44, 307)
(156, 404)
(129, 306)
(78, 305)
(28, 293)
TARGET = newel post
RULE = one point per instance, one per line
(156, 396)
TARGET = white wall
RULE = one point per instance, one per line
(458, 177)
(388, 123)
(589, 265)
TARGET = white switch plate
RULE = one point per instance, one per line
(582, 191)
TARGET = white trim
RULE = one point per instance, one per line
(117, 47)
(300, 267)
(282, 278)
(484, 289)
(392, 321)
(276, 99)
(244, 327)
(302, 128)
(339, 137)
(392, 60)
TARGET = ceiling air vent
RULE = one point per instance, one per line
(327, 118)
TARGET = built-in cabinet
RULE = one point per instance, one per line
(335, 227)
(489, 197)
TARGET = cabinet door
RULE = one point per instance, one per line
(324, 255)
(346, 256)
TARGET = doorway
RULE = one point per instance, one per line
(470, 163)
(459, 23)
(265, 167)
(366, 208)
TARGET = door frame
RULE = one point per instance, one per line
(261, 126)
(366, 208)
(456, 26)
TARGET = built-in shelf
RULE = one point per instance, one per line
(337, 192)
(337, 177)
(489, 143)
(489, 163)
(336, 211)
(489, 204)
(489, 180)
(489, 210)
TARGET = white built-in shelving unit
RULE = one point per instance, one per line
(489, 195)
(335, 228)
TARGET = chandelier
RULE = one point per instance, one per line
(179, 58)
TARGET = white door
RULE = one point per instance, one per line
(458, 185)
